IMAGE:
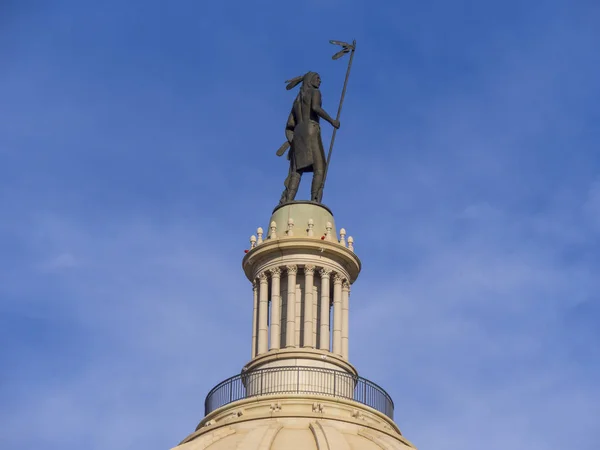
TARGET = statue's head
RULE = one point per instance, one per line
(308, 80)
(312, 79)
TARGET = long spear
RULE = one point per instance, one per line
(346, 48)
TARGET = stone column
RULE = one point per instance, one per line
(299, 323)
(325, 274)
(275, 307)
(290, 331)
(345, 317)
(254, 318)
(309, 272)
(337, 314)
(263, 314)
(315, 316)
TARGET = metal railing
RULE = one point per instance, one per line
(299, 380)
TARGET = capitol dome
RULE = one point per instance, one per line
(299, 390)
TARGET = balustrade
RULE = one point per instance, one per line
(299, 380)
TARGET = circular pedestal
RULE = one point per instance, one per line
(301, 213)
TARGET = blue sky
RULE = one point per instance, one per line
(137, 145)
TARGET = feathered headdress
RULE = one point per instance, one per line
(301, 79)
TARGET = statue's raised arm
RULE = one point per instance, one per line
(319, 111)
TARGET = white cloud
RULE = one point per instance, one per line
(146, 308)
(61, 261)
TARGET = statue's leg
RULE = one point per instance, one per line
(293, 185)
(284, 194)
(316, 190)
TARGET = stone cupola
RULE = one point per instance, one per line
(299, 389)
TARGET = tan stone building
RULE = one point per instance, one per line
(299, 390)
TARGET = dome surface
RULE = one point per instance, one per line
(295, 434)
(296, 423)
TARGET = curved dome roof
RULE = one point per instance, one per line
(295, 433)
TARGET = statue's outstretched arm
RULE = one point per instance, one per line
(316, 107)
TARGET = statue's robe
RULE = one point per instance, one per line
(303, 131)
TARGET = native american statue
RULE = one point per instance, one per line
(303, 133)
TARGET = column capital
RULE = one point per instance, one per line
(325, 273)
(263, 277)
(292, 269)
(309, 269)
(254, 285)
(337, 278)
(275, 272)
(346, 285)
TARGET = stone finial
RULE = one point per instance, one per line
(273, 230)
(259, 232)
(290, 227)
(311, 225)
(328, 228)
(252, 241)
(350, 243)
(343, 237)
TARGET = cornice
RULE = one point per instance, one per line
(281, 248)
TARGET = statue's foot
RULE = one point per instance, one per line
(284, 198)
(317, 198)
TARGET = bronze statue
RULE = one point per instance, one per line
(303, 132)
